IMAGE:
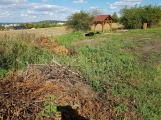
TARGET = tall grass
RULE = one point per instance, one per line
(16, 51)
(114, 64)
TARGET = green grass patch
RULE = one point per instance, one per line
(124, 64)
(68, 39)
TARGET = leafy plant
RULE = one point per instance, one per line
(50, 108)
(120, 108)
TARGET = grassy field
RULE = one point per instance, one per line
(124, 65)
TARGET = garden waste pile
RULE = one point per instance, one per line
(32, 93)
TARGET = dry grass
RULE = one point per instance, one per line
(39, 32)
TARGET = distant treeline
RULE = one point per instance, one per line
(52, 21)
(42, 24)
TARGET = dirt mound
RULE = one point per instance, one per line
(22, 97)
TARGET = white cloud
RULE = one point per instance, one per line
(4, 2)
(34, 16)
(44, 0)
(6, 14)
(26, 11)
(100, 10)
(79, 2)
(94, 8)
(24, 15)
(125, 3)
(17, 6)
(53, 8)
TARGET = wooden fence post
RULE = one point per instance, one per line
(95, 24)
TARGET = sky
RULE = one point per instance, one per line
(39, 10)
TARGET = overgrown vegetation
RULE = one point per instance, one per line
(134, 17)
(16, 52)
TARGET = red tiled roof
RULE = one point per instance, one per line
(101, 18)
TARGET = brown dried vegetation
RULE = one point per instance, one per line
(22, 97)
(52, 46)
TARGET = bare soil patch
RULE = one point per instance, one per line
(147, 47)
(146, 44)
(138, 37)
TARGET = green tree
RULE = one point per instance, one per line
(115, 17)
(131, 18)
(30, 25)
(152, 15)
(38, 25)
(80, 21)
(45, 24)
(135, 17)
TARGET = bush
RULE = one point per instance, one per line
(81, 21)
